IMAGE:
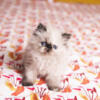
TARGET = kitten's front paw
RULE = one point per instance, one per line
(54, 88)
(54, 84)
(25, 82)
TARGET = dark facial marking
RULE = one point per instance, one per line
(34, 34)
(41, 27)
(47, 45)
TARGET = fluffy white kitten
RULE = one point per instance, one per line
(46, 56)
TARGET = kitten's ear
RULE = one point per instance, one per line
(41, 27)
(66, 36)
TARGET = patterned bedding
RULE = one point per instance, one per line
(17, 20)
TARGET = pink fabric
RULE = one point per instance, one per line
(19, 17)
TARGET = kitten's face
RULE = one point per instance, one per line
(45, 42)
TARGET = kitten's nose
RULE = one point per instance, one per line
(48, 47)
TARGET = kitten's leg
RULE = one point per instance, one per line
(29, 76)
(53, 82)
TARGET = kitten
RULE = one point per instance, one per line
(46, 56)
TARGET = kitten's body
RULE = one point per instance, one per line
(51, 64)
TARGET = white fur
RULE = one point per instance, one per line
(49, 65)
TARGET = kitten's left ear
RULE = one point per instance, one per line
(66, 36)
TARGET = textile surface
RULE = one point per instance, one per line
(17, 20)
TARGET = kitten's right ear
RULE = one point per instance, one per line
(41, 27)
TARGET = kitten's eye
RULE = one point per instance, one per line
(43, 43)
(54, 46)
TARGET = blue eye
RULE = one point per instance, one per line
(54, 46)
(43, 43)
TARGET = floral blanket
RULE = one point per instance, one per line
(17, 20)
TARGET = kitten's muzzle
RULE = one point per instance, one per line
(46, 46)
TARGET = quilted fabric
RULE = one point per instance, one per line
(17, 20)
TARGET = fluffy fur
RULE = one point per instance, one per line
(46, 56)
